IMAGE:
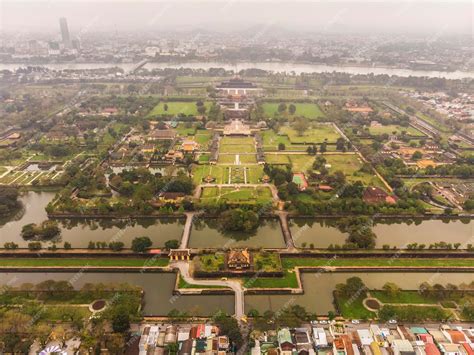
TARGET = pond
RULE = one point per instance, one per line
(318, 288)
(79, 232)
(206, 234)
(158, 287)
(397, 233)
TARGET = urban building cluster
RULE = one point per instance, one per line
(274, 44)
(373, 339)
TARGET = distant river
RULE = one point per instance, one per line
(298, 68)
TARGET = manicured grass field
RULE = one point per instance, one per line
(277, 159)
(254, 174)
(403, 296)
(389, 129)
(316, 134)
(186, 129)
(351, 308)
(307, 110)
(177, 107)
(301, 163)
(219, 172)
(242, 195)
(84, 262)
(203, 137)
(350, 164)
(237, 145)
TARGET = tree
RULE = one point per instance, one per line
(292, 109)
(228, 325)
(116, 246)
(141, 244)
(323, 147)
(364, 238)
(67, 245)
(353, 287)
(239, 220)
(281, 107)
(201, 110)
(34, 246)
(417, 155)
(391, 289)
(165, 107)
(281, 146)
(120, 321)
(300, 125)
(10, 245)
(340, 144)
(172, 244)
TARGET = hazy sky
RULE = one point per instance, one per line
(429, 17)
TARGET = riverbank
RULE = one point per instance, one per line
(297, 67)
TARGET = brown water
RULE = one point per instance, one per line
(397, 233)
(79, 232)
(158, 288)
(318, 288)
(206, 234)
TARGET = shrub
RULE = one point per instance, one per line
(141, 244)
(33, 246)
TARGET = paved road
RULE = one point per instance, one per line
(183, 267)
(290, 244)
(187, 229)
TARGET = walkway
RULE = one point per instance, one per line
(273, 189)
(290, 244)
(183, 267)
(187, 229)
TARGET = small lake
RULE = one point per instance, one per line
(158, 287)
(397, 233)
(206, 234)
(79, 232)
(318, 288)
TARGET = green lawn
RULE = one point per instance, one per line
(316, 134)
(351, 308)
(281, 159)
(203, 137)
(301, 163)
(350, 165)
(307, 110)
(84, 262)
(219, 172)
(289, 280)
(242, 195)
(177, 107)
(389, 129)
(186, 129)
(237, 145)
(403, 296)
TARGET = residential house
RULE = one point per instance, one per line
(285, 342)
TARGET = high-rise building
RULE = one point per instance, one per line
(65, 32)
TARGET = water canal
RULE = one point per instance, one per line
(206, 234)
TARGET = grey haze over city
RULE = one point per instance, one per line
(369, 17)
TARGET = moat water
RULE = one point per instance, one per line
(206, 234)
